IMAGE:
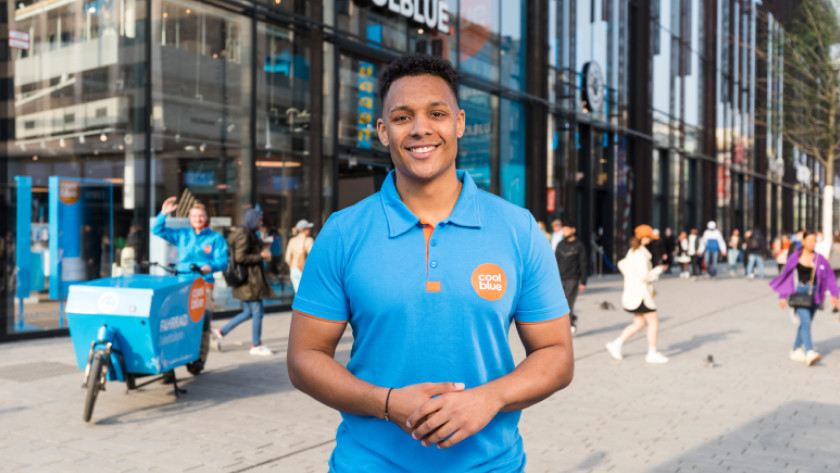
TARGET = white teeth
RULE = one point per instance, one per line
(425, 149)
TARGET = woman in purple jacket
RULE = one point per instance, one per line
(801, 264)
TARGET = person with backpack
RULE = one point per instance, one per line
(756, 252)
(713, 246)
(247, 249)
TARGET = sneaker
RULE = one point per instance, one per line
(812, 357)
(216, 339)
(614, 350)
(574, 329)
(798, 355)
(261, 350)
(656, 357)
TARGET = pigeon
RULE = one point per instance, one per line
(607, 305)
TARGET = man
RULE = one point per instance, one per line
(571, 262)
(430, 284)
(756, 252)
(198, 245)
(658, 252)
(712, 246)
(670, 242)
(556, 233)
(298, 250)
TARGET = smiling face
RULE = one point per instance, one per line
(198, 219)
(421, 123)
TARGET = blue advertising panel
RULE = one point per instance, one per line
(23, 256)
(80, 218)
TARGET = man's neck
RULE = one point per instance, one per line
(431, 201)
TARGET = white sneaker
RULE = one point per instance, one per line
(798, 355)
(261, 350)
(614, 350)
(656, 357)
(216, 339)
(812, 357)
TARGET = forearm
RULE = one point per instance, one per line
(317, 374)
(541, 374)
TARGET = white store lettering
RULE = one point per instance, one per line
(430, 13)
(173, 323)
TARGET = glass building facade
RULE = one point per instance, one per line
(607, 113)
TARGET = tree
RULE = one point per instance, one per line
(810, 103)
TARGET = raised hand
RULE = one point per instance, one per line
(169, 205)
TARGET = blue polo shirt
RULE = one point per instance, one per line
(430, 305)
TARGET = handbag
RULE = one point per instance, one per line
(804, 300)
(236, 274)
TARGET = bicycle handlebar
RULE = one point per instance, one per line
(170, 268)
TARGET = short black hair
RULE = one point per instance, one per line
(417, 65)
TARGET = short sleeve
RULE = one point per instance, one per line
(541, 297)
(321, 291)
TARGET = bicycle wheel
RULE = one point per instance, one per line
(95, 382)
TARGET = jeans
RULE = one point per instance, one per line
(294, 275)
(806, 316)
(250, 310)
(732, 258)
(753, 260)
(711, 259)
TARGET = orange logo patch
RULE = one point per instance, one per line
(69, 192)
(208, 249)
(198, 300)
(489, 281)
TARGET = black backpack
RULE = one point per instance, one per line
(754, 243)
(235, 274)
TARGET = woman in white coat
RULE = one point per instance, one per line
(639, 275)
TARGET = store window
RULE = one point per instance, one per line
(283, 143)
(512, 152)
(480, 24)
(476, 149)
(201, 80)
(513, 45)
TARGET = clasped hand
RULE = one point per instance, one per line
(442, 414)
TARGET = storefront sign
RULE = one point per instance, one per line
(18, 40)
(367, 85)
(431, 13)
(593, 86)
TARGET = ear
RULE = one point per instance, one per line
(462, 123)
(382, 131)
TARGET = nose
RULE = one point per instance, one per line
(420, 125)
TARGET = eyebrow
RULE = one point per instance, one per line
(406, 108)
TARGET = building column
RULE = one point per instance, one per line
(640, 153)
(536, 142)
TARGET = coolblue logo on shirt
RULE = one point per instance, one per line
(489, 281)
(208, 248)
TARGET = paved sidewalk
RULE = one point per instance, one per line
(754, 411)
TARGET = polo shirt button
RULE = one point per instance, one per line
(433, 264)
(433, 242)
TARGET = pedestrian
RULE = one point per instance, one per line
(571, 263)
(658, 252)
(781, 249)
(543, 229)
(694, 251)
(756, 252)
(199, 246)
(670, 241)
(430, 272)
(806, 272)
(682, 255)
(246, 247)
(733, 251)
(298, 250)
(637, 298)
(556, 233)
(712, 246)
(834, 255)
